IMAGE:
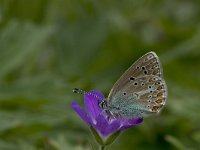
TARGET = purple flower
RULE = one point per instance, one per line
(95, 117)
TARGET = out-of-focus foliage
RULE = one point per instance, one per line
(49, 47)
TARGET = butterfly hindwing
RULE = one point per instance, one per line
(145, 95)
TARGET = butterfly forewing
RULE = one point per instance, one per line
(141, 87)
(148, 64)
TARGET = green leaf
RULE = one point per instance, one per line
(19, 42)
(174, 141)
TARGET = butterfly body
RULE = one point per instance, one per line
(140, 91)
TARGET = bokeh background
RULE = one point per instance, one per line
(48, 47)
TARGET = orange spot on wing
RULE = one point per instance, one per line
(154, 109)
(159, 101)
(160, 94)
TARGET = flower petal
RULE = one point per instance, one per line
(128, 123)
(101, 124)
(135, 121)
(104, 127)
(113, 127)
(77, 108)
(92, 104)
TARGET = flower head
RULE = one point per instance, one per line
(94, 116)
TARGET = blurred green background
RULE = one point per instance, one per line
(48, 47)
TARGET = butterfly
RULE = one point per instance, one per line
(139, 92)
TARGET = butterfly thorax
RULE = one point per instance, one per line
(124, 108)
(118, 110)
(107, 109)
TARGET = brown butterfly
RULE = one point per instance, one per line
(140, 91)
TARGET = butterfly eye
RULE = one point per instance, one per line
(102, 104)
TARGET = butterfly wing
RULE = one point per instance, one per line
(138, 90)
(148, 64)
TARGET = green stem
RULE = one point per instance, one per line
(103, 147)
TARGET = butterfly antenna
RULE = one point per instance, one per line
(79, 91)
